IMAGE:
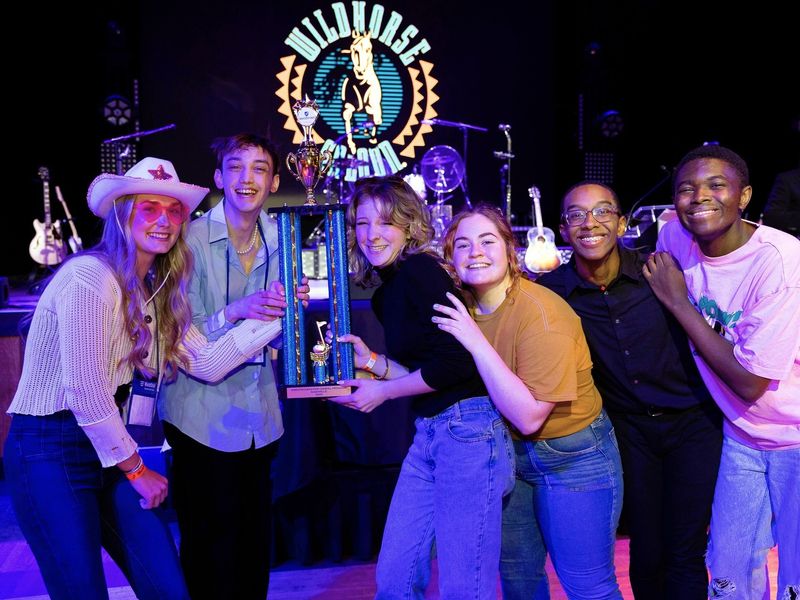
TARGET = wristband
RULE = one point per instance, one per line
(136, 474)
(137, 471)
(371, 362)
(136, 467)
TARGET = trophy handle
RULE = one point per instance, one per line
(326, 163)
(291, 161)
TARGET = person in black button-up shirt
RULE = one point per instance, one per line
(667, 425)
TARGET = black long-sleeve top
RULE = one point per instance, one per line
(404, 306)
(640, 352)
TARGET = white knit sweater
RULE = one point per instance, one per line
(77, 341)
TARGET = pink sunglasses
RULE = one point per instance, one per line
(151, 211)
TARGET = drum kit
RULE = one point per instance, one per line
(441, 171)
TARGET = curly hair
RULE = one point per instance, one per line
(117, 248)
(719, 152)
(493, 214)
(399, 205)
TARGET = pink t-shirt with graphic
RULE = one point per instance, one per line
(751, 297)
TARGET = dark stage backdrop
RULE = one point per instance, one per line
(677, 74)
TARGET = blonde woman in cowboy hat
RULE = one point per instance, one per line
(115, 314)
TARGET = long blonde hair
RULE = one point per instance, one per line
(399, 205)
(117, 248)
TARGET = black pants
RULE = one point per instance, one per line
(223, 501)
(670, 465)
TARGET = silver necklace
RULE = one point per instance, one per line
(252, 245)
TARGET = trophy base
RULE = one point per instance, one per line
(329, 390)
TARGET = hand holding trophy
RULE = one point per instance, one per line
(334, 362)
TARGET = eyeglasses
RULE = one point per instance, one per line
(151, 211)
(601, 214)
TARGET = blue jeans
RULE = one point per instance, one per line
(450, 489)
(567, 502)
(756, 505)
(68, 506)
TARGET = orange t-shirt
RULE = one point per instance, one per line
(540, 338)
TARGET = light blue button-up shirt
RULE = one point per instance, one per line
(243, 407)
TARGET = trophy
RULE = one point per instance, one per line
(331, 362)
(308, 165)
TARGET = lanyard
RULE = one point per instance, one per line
(253, 360)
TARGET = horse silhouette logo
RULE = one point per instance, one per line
(362, 91)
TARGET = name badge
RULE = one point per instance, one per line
(141, 405)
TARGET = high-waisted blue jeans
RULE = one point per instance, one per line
(451, 487)
(567, 502)
(68, 506)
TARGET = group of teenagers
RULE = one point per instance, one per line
(677, 372)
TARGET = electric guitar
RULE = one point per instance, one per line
(47, 247)
(75, 243)
(541, 255)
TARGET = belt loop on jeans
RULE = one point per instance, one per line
(457, 410)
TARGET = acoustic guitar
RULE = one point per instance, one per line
(47, 247)
(541, 255)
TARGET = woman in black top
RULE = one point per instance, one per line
(459, 465)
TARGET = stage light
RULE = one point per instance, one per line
(117, 110)
(610, 124)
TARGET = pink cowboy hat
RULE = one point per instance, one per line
(148, 176)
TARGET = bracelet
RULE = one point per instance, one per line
(371, 362)
(137, 474)
(136, 471)
(385, 373)
(136, 467)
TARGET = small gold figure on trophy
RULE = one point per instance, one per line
(319, 357)
(308, 164)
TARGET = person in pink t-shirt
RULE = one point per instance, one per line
(738, 299)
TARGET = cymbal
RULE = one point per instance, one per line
(349, 162)
(442, 169)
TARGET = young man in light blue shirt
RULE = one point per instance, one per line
(224, 435)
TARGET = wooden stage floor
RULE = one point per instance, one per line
(20, 579)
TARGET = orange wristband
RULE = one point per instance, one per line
(136, 473)
(371, 362)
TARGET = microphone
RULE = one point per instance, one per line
(366, 126)
(504, 127)
(429, 121)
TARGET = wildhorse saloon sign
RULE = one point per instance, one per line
(365, 66)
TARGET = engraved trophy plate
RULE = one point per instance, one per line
(329, 362)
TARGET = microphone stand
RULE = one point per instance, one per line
(505, 170)
(648, 193)
(123, 150)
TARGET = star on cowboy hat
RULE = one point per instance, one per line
(148, 176)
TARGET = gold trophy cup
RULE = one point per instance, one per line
(308, 164)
